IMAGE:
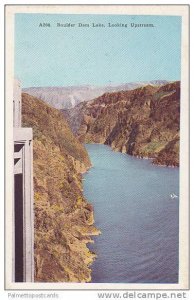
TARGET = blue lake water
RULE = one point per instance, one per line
(137, 216)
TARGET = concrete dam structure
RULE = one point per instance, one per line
(23, 212)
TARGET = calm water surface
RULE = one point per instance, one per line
(137, 216)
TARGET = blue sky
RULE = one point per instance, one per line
(58, 56)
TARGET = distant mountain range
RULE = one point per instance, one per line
(70, 96)
(140, 119)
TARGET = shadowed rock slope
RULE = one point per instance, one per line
(63, 218)
(143, 122)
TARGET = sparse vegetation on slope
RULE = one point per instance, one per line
(63, 217)
(143, 122)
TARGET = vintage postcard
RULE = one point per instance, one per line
(97, 110)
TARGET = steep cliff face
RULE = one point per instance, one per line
(143, 122)
(63, 218)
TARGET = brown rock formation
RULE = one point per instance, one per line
(63, 218)
(143, 122)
